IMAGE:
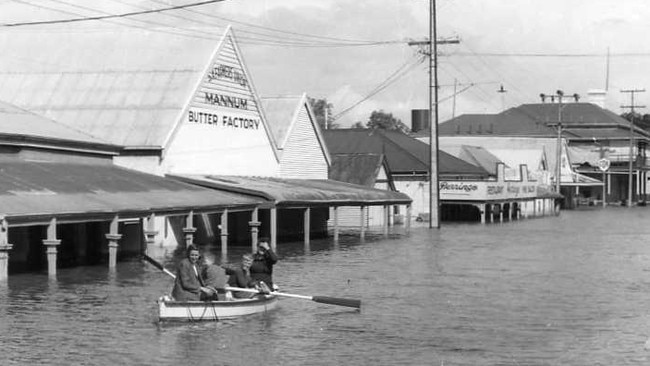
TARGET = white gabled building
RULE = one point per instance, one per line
(184, 108)
(303, 154)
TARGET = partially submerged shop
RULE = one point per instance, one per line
(192, 111)
(64, 202)
(497, 200)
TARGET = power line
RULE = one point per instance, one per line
(274, 29)
(396, 75)
(559, 55)
(111, 16)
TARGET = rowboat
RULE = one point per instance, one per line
(168, 309)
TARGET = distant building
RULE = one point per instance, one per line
(591, 134)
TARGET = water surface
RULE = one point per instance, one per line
(567, 290)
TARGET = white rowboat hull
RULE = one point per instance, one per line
(214, 310)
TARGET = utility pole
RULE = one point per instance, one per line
(558, 152)
(631, 142)
(432, 43)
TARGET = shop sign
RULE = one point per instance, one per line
(486, 190)
(228, 73)
(223, 120)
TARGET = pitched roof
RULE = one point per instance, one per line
(361, 169)
(479, 156)
(125, 86)
(580, 121)
(18, 123)
(280, 113)
(404, 153)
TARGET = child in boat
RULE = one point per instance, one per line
(239, 276)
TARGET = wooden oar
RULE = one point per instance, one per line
(352, 303)
(158, 265)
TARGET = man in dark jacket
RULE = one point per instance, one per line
(263, 261)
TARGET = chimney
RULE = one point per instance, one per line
(419, 120)
(597, 97)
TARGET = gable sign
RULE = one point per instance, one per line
(225, 99)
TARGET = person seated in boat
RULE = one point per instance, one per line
(189, 284)
(263, 260)
(239, 276)
(215, 279)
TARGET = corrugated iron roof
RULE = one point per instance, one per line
(279, 112)
(539, 119)
(299, 192)
(404, 153)
(19, 122)
(125, 86)
(32, 191)
(479, 156)
(361, 169)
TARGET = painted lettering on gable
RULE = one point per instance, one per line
(228, 73)
(223, 120)
(226, 100)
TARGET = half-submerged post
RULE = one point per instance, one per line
(5, 247)
(51, 242)
(113, 236)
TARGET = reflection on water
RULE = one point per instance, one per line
(568, 290)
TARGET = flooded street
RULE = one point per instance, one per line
(567, 290)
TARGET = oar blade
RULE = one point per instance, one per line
(351, 303)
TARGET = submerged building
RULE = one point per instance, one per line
(185, 110)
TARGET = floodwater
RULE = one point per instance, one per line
(567, 290)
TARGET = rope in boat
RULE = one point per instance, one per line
(214, 316)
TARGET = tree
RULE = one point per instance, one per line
(319, 107)
(358, 124)
(386, 121)
(640, 120)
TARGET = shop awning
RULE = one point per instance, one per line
(34, 192)
(299, 192)
(580, 180)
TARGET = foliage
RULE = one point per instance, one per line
(386, 121)
(321, 107)
(358, 124)
(640, 120)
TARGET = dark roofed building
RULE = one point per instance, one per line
(405, 155)
(407, 161)
(594, 131)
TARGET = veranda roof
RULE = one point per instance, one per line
(299, 192)
(34, 192)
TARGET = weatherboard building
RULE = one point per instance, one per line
(188, 111)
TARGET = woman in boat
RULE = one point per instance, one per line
(240, 276)
(189, 283)
(263, 261)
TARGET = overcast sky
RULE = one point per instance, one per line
(355, 53)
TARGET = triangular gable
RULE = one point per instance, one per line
(223, 127)
(317, 130)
